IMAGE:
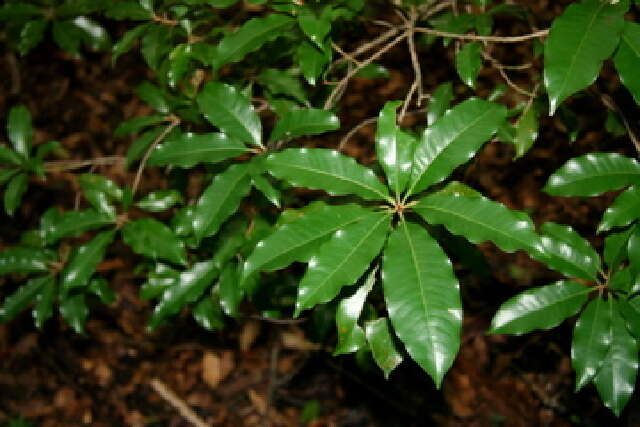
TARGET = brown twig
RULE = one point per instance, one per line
(416, 86)
(611, 105)
(367, 46)
(174, 400)
(490, 39)
(69, 165)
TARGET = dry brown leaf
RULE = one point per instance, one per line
(248, 335)
(294, 339)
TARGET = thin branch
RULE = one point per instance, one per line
(611, 105)
(174, 400)
(382, 38)
(502, 70)
(345, 55)
(416, 86)
(491, 39)
(69, 165)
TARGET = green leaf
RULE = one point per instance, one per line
(627, 58)
(394, 148)
(179, 61)
(326, 170)
(14, 191)
(126, 42)
(267, 189)
(351, 337)
(142, 144)
(297, 123)
(439, 102)
(158, 280)
(137, 124)
(21, 259)
(160, 200)
(100, 288)
(128, 10)
(453, 139)
(31, 35)
(317, 29)
(591, 340)
(55, 225)
(593, 174)
(382, 345)
(9, 157)
(568, 252)
(342, 260)
(423, 298)
(68, 37)
(19, 11)
(22, 297)
(220, 200)
(479, 220)
(585, 35)
(616, 378)
(100, 191)
(154, 97)
(312, 61)
(633, 250)
(189, 149)
(539, 308)
(294, 241)
(229, 289)
(526, 131)
(188, 289)
(623, 211)
(250, 37)
(469, 62)
(208, 314)
(93, 34)
(630, 309)
(43, 310)
(281, 82)
(73, 308)
(228, 109)
(615, 248)
(84, 260)
(156, 44)
(19, 130)
(621, 280)
(153, 239)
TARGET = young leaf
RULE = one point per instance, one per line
(188, 289)
(342, 260)
(591, 340)
(615, 248)
(351, 337)
(229, 110)
(393, 149)
(469, 62)
(220, 200)
(19, 130)
(189, 149)
(73, 308)
(297, 123)
(479, 220)
(55, 225)
(539, 308)
(382, 345)
(616, 378)
(43, 309)
(22, 259)
(439, 102)
(84, 260)
(593, 174)
(14, 191)
(627, 58)
(453, 140)
(250, 37)
(22, 297)
(526, 131)
(326, 170)
(579, 40)
(151, 238)
(160, 200)
(229, 289)
(623, 211)
(423, 298)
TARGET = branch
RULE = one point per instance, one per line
(69, 165)
(185, 411)
(492, 39)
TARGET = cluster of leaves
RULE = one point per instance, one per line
(374, 234)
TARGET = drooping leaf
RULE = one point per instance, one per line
(22, 259)
(43, 308)
(229, 110)
(616, 378)
(250, 37)
(342, 260)
(593, 174)
(423, 298)
(615, 248)
(624, 210)
(453, 139)
(229, 289)
(591, 340)
(160, 200)
(84, 260)
(469, 62)
(189, 149)
(526, 131)
(19, 130)
(152, 238)
(382, 345)
(393, 149)
(585, 35)
(351, 337)
(326, 170)
(56, 225)
(22, 297)
(627, 58)
(220, 200)
(73, 308)
(439, 102)
(297, 123)
(539, 308)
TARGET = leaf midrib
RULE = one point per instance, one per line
(213, 216)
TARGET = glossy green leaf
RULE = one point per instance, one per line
(93, 34)
(293, 241)
(22, 297)
(593, 174)
(469, 62)
(154, 97)
(188, 289)
(479, 220)
(282, 82)
(229, 110)
(423, 298)
(633, 250)
(56, 225)
(100, 191)
(73, 308)
(189, 149)
(265, 187)
(382, 345)
(43, 309)
(220, 200)
(312, 61)
(317, 29)
(127, 41)
(68, 37)
(31, 34)
(21, 259)
(14, 191)
(585, 35)
(623, 211)
(229, 289)
(591, 340)
(621, 280)
(351, 337)
(153, 239)
(250, 37)
(394, 148)
(326, 170)
(208, 314)
(373, 71)
(627, 58)
(568, 252)
(158, 280)
(297, 123)
(127, 10)
(630, 309)
(100, 288)
(616, 378)
(179, 62)
(160, 200)
(453, 139)
(84, 260)
(615, 248)
(526, 131)
(136, 124)
(156, 44)
(539, 308)
(19, 130)
(142, 144)
(342, 260)
(439, 102)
